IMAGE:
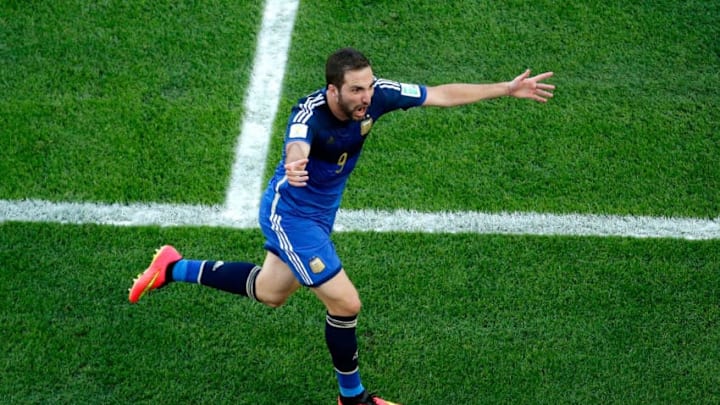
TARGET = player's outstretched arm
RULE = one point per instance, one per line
(523, 86)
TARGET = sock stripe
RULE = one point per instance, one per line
(250, 283)
(200, 273)
(347, 372)
(340, 323)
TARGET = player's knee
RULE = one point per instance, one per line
(349, 306)
(354, 306)
(273, 301)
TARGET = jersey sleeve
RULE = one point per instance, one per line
(298, 131)
(297, 128)
(395, 95)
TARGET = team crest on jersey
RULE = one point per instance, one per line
(366, 125)
(317, 265)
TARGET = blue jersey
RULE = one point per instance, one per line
(335, 147)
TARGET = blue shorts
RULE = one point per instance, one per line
(303, 244)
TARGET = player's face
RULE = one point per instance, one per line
(355, 94)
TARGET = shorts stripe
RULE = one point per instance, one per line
(285, 244)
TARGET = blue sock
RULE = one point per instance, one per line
(187, 271)
(350, 384)
(234, 277)
(342, 343)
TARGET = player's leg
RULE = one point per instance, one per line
(342, 302)
(278, 282)
(306, 247)
(310, 254)
(235, 277)
(275, 283)
(168, 265)
(339, 295)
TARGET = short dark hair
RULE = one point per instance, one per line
(341, 61)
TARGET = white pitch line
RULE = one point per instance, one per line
(140, 214)
(371, 220)
(261, 103)
(243, 195)
(528, 223)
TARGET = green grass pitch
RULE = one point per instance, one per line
(126, 102)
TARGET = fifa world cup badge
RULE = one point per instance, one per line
(366, 125)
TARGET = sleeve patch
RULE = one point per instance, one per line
(298, 131)
(410, 90)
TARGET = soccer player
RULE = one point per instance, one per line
(323, 139)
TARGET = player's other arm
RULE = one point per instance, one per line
(296, 158)
(523, 86)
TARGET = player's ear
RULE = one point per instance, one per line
(332, 91)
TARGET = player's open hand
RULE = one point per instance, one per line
(296, 174)
(525, 86)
